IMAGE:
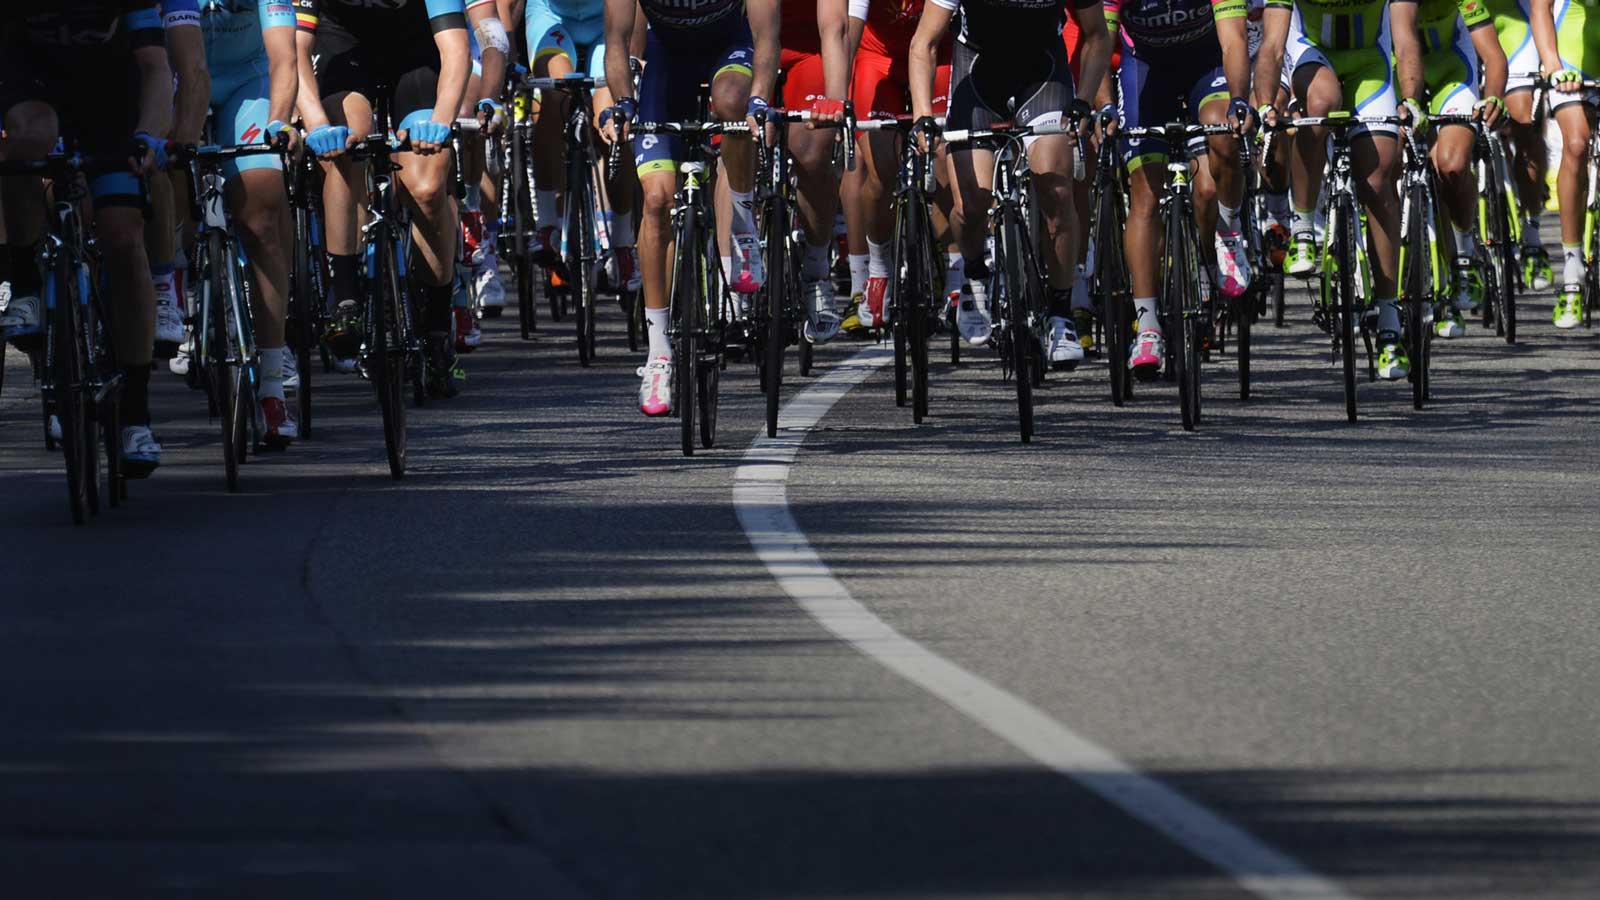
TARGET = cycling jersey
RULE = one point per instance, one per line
(880, 86)
(1007, 25)
(1578, 43)
(1351, 39)
(1516, 39)
(1162, 24)
(683, 23)
(1341, 25)
(240, 84)
(1450, 63)
(233, 30)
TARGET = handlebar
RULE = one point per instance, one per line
(573, 81)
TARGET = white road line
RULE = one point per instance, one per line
(760, 497)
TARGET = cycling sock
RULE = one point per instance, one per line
(344, 278)
(727, 270)
(436, 315)
(1227, 218)
(1144, 309)
(954, 273)
(544, 208)
(814, 267)
(656, 322)
(1060, 304)
(858, 273)
(1389, 315)
(272, 372)
(1278, 207)
(1080, 290)
(744, 212)
(1530, 230)
(1571, 263)
(1304, 221)
(1466, 241)
(25, 280)
(877, 259)
(622, 230)
(135, 405)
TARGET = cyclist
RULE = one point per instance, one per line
(491, 46)
(815, 61)
(881, 89)
(1569, 54)
(733, 44)
(1530, 155)
(562, 35)
(419, 53)
(96, 74)
(1343, 61)
(181, 19)
(250, 49)
(1010, 60)
(1176, 55)
(1455, 36)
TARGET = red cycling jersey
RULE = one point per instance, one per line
(879, 86)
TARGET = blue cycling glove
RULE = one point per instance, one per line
(275, 128)
(326, 139)
(757, 108)
(430, 132)
(156, 147)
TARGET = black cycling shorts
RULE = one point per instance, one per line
(409, 78)
(96, 99)
(1024, 85)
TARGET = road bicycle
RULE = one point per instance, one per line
(516, 193)
(308, 280)
(702, 313)
(1109, 281)
(79, 377)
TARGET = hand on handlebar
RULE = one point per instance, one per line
(150, 154)
(427, 137)
(826, 111)
(1107, 120)
(1243, 119)
(614, 120)
(1412, 115)
(927, 133)
(284, 135)
(1489, 110)
(491, 115)
(328, 141)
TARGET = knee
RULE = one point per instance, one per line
(657, 201)
(729, 99)
(1452, 162)
(427, 187)
(259, 220)
(1574, 146)
(120, 235)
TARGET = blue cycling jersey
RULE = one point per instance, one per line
(233, 29)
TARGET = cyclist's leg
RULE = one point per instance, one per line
(1578, 43)
(1317, 89)
(621, 189)
(259, 210)
(1148, 99)
(1451, 80)
(160, 240)
(554, 55)
(972, 179)
(817, 195)
(1221, 179)
(1530, 156)
(730, 96)
(31, 127)
(1366, 80)
(665, 94)
(1050, 161)
(342, 77)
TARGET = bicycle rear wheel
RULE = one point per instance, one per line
(774, 306)
(1244, 311)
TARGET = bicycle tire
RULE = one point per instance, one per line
(1008, 254)
(580, 258)
(632, 308)
(1279, 308)
(387, 366)
(808, 355)
(686, 308)
(775, 308)
(1181, 293)
(707, 386)
(1416, 291)
(1110, 273)
(66, 366)
(303, 304)
(1506, 326)
(894, 288)
(917, 305)
(1345, 269)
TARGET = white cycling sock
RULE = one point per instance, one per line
(656, 322)
(544, 209)
(272, 372)
(1389, 315)
(622, 230)
(858, 273)
(744, 215)
(955, 273)
(1227, 218)
(814, 267)
(166, 284)
(1145, 309)
(877, 259)
(1571, 263)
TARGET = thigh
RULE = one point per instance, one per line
(547, 37)
(242, 118)
(802, 79)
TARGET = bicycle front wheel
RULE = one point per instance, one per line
(1345, 274)
(1182, 319)
(387, 359)
(1008, 252)
(687, 306)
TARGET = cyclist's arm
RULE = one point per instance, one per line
(1275, 19)
(1542, 22)
(1231, 17)
(155, 88)
(308, 97)
(1484, 40)
(186, 51)
(855, 25)
(511, 17)
(765, 20)
(495, 45)
(922, 63)
(283, 73)
(833, 28)
(455, 57)
(1094, 49)
(1407, 50)
(1105, 96)
(619, 37)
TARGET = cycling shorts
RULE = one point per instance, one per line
(581, 39)
(240, 111)
(1451, 74)
(1366, 77)
(803, 79)
(1578, 42)
(95, 95)
(669, 91)
(881, 88)
(1155, 94)
(1516, 39)
(1030, 86)
(411, 80)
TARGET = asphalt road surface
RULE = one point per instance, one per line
(1282, 656)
